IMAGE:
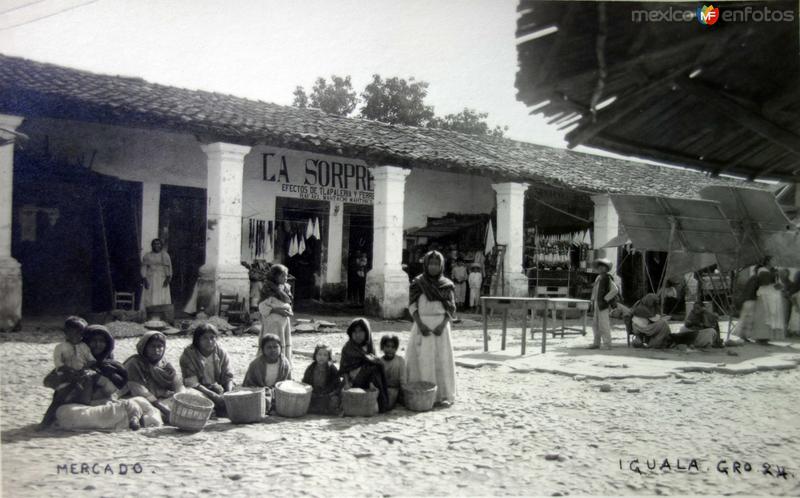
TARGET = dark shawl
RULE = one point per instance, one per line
(332, 379)
(353, 355)
(646, 307)
(105, 364)
(281, 292)
(701, 319)
(193, 365)
(435, 288)
(159, 377)
(256, 375)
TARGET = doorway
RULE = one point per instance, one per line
(182, 228)
(358, 233)
(300, 248)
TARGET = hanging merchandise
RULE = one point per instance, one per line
(268, 245)
(489, 238)
(317, 229)
(293, 247)
(301, 246)
(310, 228)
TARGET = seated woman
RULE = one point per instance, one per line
(649, 327)
(150, 375)
(269, 367)
(700, 329)
(205, 366)
(100, 407)
(359, 365)
(323, 376)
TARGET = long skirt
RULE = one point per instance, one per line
(281, 326)
(109, 416)
(460, 292)
(793, 327)
(768, 321)
(744, 328)
(657, 333)
(430, 359)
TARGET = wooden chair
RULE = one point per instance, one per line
(233, 309)
(124, 301)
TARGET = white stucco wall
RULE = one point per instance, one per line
(434, 194)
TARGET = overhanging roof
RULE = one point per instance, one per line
(34, 89)
(721, 98)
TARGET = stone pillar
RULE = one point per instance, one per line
(511, 233)
(387, 283)
(797, 195)
(223, 271)
(606, 227)
(10, 270)
(333, 289)
(151, 199)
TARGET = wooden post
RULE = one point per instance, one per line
(544, 328)
(505, 323)
(485, 327)
(524, 324)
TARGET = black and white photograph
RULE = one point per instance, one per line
(346, 248)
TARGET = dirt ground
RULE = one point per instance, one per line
(510, 433)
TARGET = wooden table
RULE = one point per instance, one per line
(563, 304)
(526, 304)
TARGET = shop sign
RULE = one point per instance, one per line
(316, 178)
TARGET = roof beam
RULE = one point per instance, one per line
(624, 105)
(623, 146)
(745, 117)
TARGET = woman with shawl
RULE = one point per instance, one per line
(150, 375)
(156, 276)
(205, 366)
(101, 408)
(430, 352)
(269, 367)
(749, 297)
(768, 316)
(648, 325)
(360, 366)
(275, 308)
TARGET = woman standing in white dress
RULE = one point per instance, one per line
(156, 276)
(429, 357)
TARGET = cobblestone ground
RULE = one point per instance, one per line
(508, 434)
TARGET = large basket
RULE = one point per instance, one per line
(360, 403)
(289, 404)
(190, 412)
(246, 404)
(419, 396)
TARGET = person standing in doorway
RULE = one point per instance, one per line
(361, 277)
(156, 276)
(459, 274)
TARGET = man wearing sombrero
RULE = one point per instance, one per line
(604, 293)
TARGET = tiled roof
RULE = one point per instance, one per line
(34, 89)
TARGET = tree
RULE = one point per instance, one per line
(336, 97)
(396, 101)
(468, 121)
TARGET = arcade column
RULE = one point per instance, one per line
(606, 227)
(10, 270)
(511, 233)
(387, 283)
(223, 272)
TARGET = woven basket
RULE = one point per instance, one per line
(394, 393)
(190, 412)
(419, 396)
(246, 404)
(289, 404)
(360, 404)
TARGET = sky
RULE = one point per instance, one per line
(464, 49)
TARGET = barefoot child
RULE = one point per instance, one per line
(205, 366)
(323, 376)
(359, 365)
(276, 308)
(395, 367)
(603, 293)
(269, 367)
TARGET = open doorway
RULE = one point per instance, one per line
(182, 228)
(357, 254)
(301, 236)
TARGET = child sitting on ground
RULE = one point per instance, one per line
(395, 367)
(205, 366)
(70, 380)
(269, 367)
(323, 376)
(359, 365)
